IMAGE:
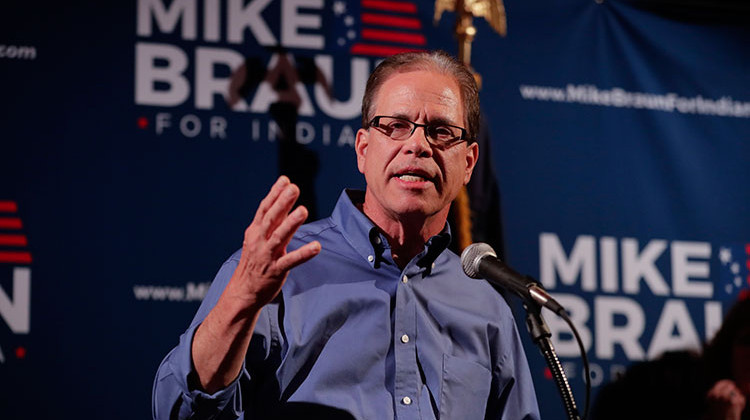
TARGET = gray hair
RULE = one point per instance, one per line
(437, 61)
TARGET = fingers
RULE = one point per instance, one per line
(279, 211)
(724, 401)
(265, 262)
(282, 234)
(276, 190)
(726, 390)
(274, 226)
(718, 389)
(273, 210)
(299, 255)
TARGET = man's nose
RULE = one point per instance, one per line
(417, 143)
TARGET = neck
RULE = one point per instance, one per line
(408, 233)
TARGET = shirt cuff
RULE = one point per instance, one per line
(196, 401)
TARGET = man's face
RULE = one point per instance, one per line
(413, 177)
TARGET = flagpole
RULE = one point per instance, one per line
(464, 30)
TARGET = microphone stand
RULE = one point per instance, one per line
(476, 265)
(541, 334)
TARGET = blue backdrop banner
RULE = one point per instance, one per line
(138, 138)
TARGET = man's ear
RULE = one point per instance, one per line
(360, 147)
(472, 154)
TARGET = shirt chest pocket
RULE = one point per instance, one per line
(464, 390)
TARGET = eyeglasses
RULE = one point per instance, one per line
(437, 134)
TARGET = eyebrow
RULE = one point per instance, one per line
(438, 120)
(402, 116)
(442, 121)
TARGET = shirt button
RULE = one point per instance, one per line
(370, 258)
(404, 338)
(433, 266)
(377, 240)
(404, 279)
(406, 400)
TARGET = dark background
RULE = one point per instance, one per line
(108, 205)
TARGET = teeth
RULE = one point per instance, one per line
(410, 178)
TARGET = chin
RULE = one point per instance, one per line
(404, 203)
(405, 207)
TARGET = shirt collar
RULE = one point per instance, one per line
(367, 239)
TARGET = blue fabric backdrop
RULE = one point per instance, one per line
(620, 142)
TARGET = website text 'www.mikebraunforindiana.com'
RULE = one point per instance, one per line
(616, 97)
(190, 292)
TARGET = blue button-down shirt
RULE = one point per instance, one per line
(352, 331)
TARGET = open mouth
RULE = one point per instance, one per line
(412, 178)
(414, 175)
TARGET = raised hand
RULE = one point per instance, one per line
(724, 401)
(265, 263)
(220, 342)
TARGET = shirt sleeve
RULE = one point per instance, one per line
(175, 392)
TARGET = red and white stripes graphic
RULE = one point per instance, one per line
(13, 242)
(389, 27)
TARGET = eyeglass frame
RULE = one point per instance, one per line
(374, 122)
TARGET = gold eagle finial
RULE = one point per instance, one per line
(493, 11)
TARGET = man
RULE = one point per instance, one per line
(365, 314)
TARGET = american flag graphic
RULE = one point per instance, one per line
(378, 28)
(13, 242)
(735, 270)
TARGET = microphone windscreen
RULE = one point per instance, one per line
(471, 257)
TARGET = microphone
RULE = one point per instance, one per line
(479, 260)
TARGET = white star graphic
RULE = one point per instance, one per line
(348, 20)
(351, 34)
(735, 268)
(725, 255)
(339, 7)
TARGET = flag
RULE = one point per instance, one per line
(13, 243)
(377, 28)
